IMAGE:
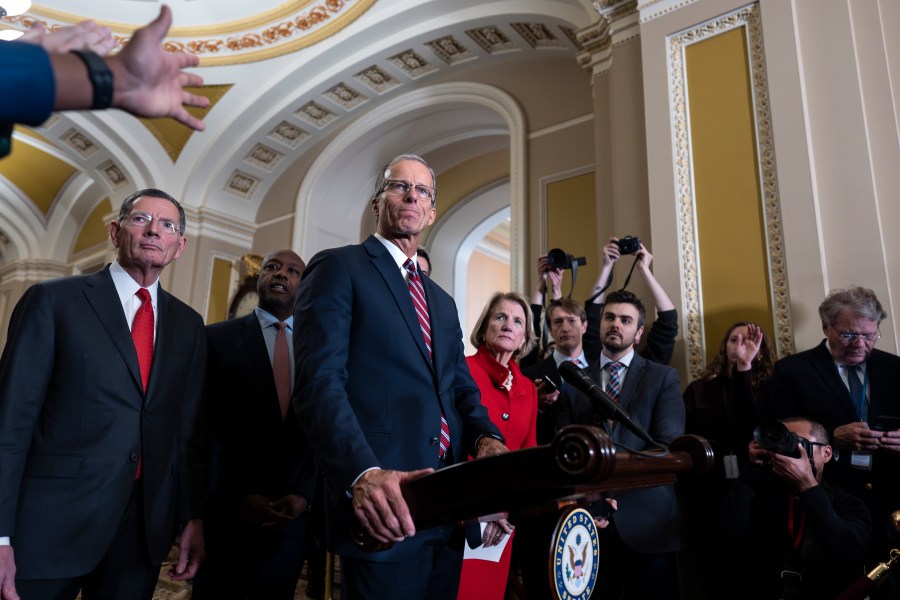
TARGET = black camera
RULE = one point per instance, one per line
(557, 259)
(772, 435)
(628, 245)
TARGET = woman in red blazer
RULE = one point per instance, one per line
(504, 331)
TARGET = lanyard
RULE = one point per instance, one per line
(796, 534)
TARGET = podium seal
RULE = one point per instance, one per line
(575, 550)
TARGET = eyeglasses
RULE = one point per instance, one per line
(395, 186)
(848, 338)
(141, 220)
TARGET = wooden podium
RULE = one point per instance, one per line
(577, 467)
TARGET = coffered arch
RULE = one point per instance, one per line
(427, 121)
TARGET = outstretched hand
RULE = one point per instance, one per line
(149, 81)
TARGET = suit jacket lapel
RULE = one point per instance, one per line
(101, 294)
(254, 346)
(165, 332)
(828, 371)
(633, 377)
(395, 283)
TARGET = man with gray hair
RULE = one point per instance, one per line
(384, 394)
(852, 389)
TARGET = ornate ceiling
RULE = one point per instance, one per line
(285, 78)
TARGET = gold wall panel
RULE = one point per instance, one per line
(572, 227)
(731, 241)
(39, 175)
(219, 283)
(94, 231)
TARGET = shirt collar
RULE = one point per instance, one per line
(560, 358)
(625, 360)
(396, 252)
(127, 287)
(267, 319)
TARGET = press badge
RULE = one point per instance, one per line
(731, 466)
(861, 460)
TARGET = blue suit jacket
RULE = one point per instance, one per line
(74, 418)
(647, 519)
(366, 393)
(25, 69)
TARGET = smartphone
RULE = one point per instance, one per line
(886, 423)
(551, 387)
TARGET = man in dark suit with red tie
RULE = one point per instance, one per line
(382, 384)
(102, 453)
(264, 475)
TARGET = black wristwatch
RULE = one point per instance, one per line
(101, 78)
(497, 437)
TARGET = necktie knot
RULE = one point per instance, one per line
(281, 325)
(143, 294)
(614, 367)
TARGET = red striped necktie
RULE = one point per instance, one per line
(417, 293)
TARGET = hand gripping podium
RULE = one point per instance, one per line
(578, 466)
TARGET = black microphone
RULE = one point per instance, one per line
(605, 405)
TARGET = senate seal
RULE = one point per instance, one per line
(575, 550)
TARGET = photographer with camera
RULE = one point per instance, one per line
(792, 536)
(661, 335)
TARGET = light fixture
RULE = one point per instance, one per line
(10, 8)
(8, 35)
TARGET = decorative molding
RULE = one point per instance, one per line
(412, 63)
(32, 270)
(315, 114)
(289, 135)
(749, 18)
(491, 40)
(377, 79)
(474, 93)
(653, 9)
(285, 29)
(450, 50)
(82, 145)
(618, 24)
(263, 157)
(345, 96)
(537, 35)
(113, 175)
(242, 184)
(211, 224)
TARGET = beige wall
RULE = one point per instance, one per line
(834, 135)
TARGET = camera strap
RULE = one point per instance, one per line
(791, 576)
(630, 271)
(574, 277)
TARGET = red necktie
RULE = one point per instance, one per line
(417, 293)
(281, 368)
(142, 336)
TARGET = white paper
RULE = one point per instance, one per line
(492, 554)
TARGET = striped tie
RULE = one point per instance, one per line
(614, 385)
(417, 293)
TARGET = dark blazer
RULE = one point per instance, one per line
(647, 519)
(260, 452)
(366, 393)
(807, 384)
(74, 419)
(571, 405)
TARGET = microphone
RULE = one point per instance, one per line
(608, 407)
